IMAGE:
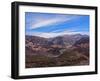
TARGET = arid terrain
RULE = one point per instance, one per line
(66, 50)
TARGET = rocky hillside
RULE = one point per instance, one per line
(66, 50)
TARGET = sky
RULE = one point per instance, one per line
(51, 25)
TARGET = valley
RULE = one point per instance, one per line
(66, 50)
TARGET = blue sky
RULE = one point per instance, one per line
(52, 25)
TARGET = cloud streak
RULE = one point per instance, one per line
(49, 21)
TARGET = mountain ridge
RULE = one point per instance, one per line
(60, 40)
(66, 50)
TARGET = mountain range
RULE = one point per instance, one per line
(60, 40)
(57, 51)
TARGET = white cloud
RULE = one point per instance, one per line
(50, 21)
(51, 34)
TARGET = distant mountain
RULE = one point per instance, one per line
(36, 40)
(82, 45)
(56, 45)
(66, 39)
(83, 40)
(60, 40)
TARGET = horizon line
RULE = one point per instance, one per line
(57, 36)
